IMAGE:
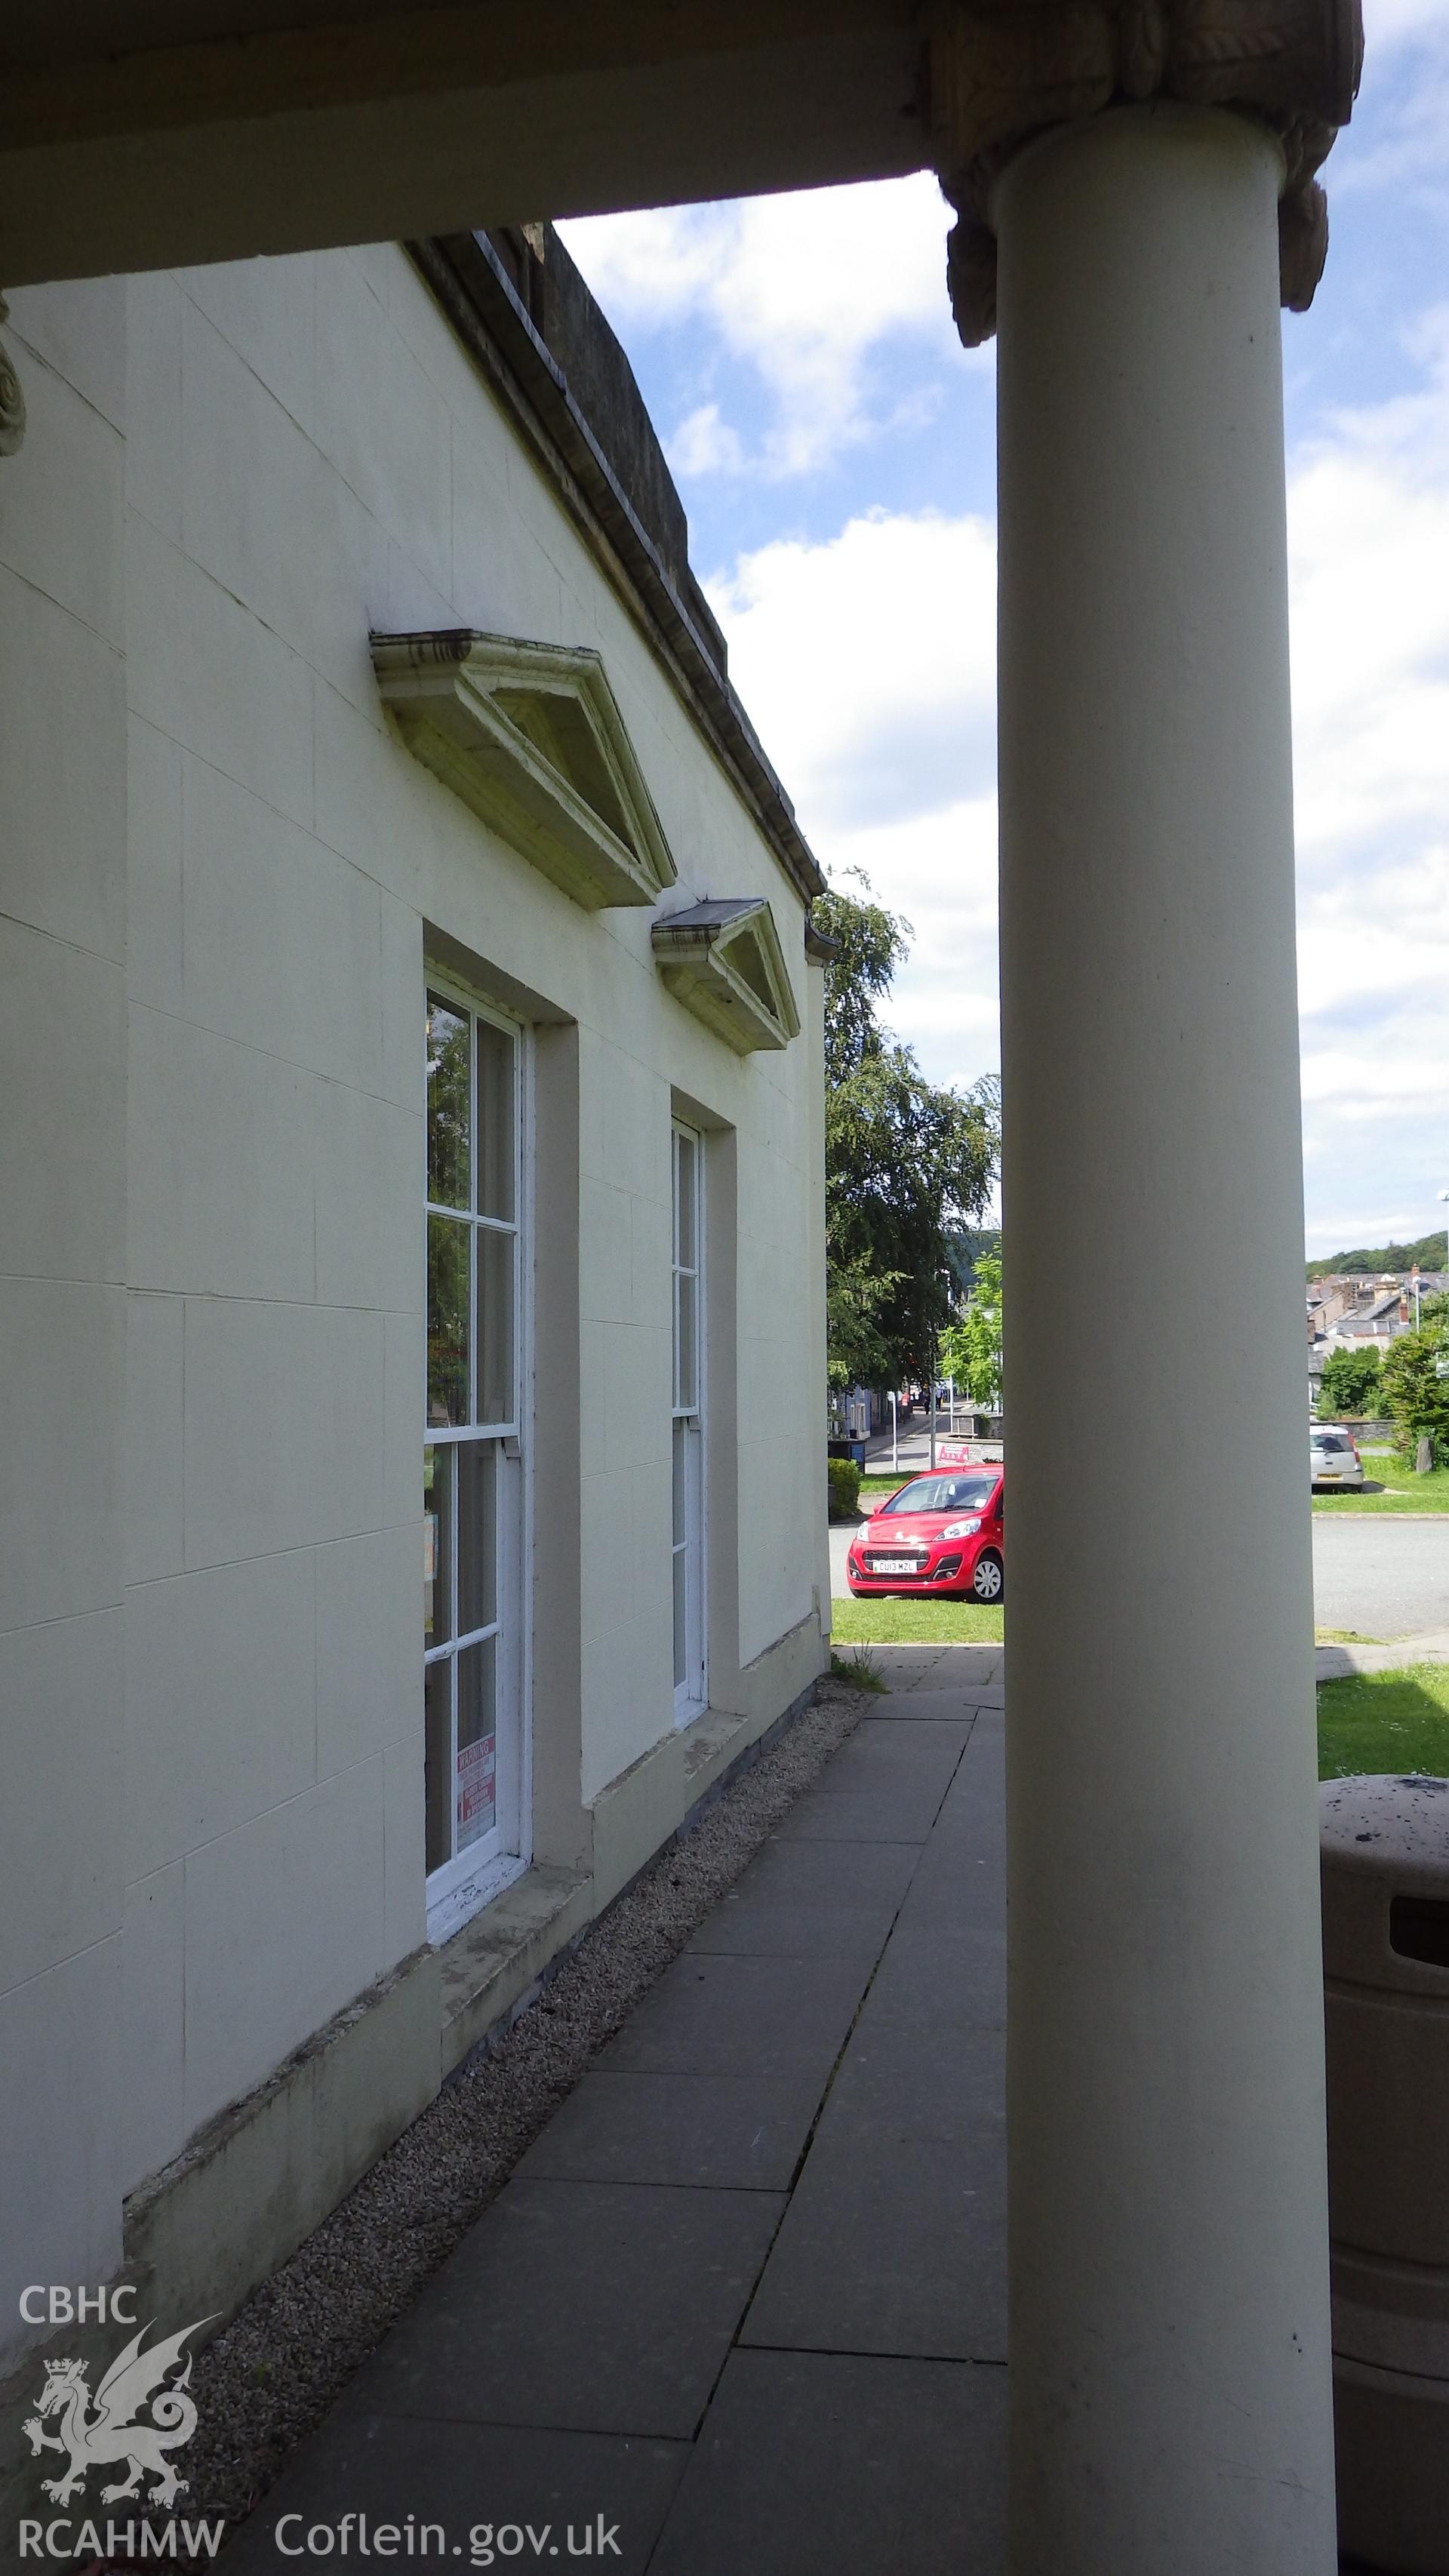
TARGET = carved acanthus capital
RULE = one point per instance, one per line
(1005, 70)
(12, 399)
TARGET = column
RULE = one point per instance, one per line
(1169, 2373)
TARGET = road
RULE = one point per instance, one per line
(1384, 1578)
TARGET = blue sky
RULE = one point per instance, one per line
(834, 448)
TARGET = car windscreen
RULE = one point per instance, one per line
(1329, 1440)
(943, 1494)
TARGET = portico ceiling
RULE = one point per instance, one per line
(147, 133)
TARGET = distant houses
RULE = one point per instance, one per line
(1355, 1312)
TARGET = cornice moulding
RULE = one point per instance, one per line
(1004, 71)
(531, 738)
(466, 275)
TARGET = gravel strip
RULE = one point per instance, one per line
(266, 2382)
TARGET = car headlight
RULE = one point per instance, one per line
(961, 1529)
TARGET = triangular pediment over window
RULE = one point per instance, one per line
(530, 736)
(722, 960)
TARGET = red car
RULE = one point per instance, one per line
(940, 1533)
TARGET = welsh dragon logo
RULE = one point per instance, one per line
(98, 2432)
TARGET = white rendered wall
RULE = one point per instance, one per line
(62, 1255)
(314, 456)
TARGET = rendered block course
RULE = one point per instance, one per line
(232, 886)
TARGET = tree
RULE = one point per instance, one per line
(906, 1161)
(971, 1347)
(1416, 1395)
(1351, 1382)
(1431, 1253)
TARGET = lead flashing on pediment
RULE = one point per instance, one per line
(723, 961)
(531, 738)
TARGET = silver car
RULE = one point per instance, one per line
(1332, 1457)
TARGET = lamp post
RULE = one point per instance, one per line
(947, 1281)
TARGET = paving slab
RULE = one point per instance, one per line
(729, 2014)
(745, 2296)
(936, 1979)
(823, 2464)
(886, 1736)
(960, 1883)
(913, 1669)
(921, 2078)
(591, 2307)
(462, 2482)
(711, 2132)
(907, 2171)
(810, 1900)
(889, 1790)
(954, 1706)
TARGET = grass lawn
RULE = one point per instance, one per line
(1403, 1490)
(1395, 1721)
(893, 1620)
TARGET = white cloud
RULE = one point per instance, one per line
(868, 664)
(1369, 574)
(808, 291)
(705, 444)
(1394, 145)
(1394, 22)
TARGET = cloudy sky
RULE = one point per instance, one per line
(833, 445)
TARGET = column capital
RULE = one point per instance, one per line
(1002, 71)
(12, 398)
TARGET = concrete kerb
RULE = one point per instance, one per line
(1340, 1662)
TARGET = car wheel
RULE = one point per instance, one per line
(987, 1581)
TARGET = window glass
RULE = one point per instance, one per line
(470, 1484)
(686, 1340)
(477, 1534)
(495, 1326)
(681, 1616)
(496, 1056)
(448, 1247)
(686, 1250)
(438, 1760)
(477, 1781)
(438, 1545)
(687, 1498)
(943, 1494)
(449, 1089)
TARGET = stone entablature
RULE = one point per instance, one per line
(1004, 71)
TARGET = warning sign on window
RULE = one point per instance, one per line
(477, 1789)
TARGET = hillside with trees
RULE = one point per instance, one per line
(1431, 1253)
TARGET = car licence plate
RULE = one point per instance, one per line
(895, 1564)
